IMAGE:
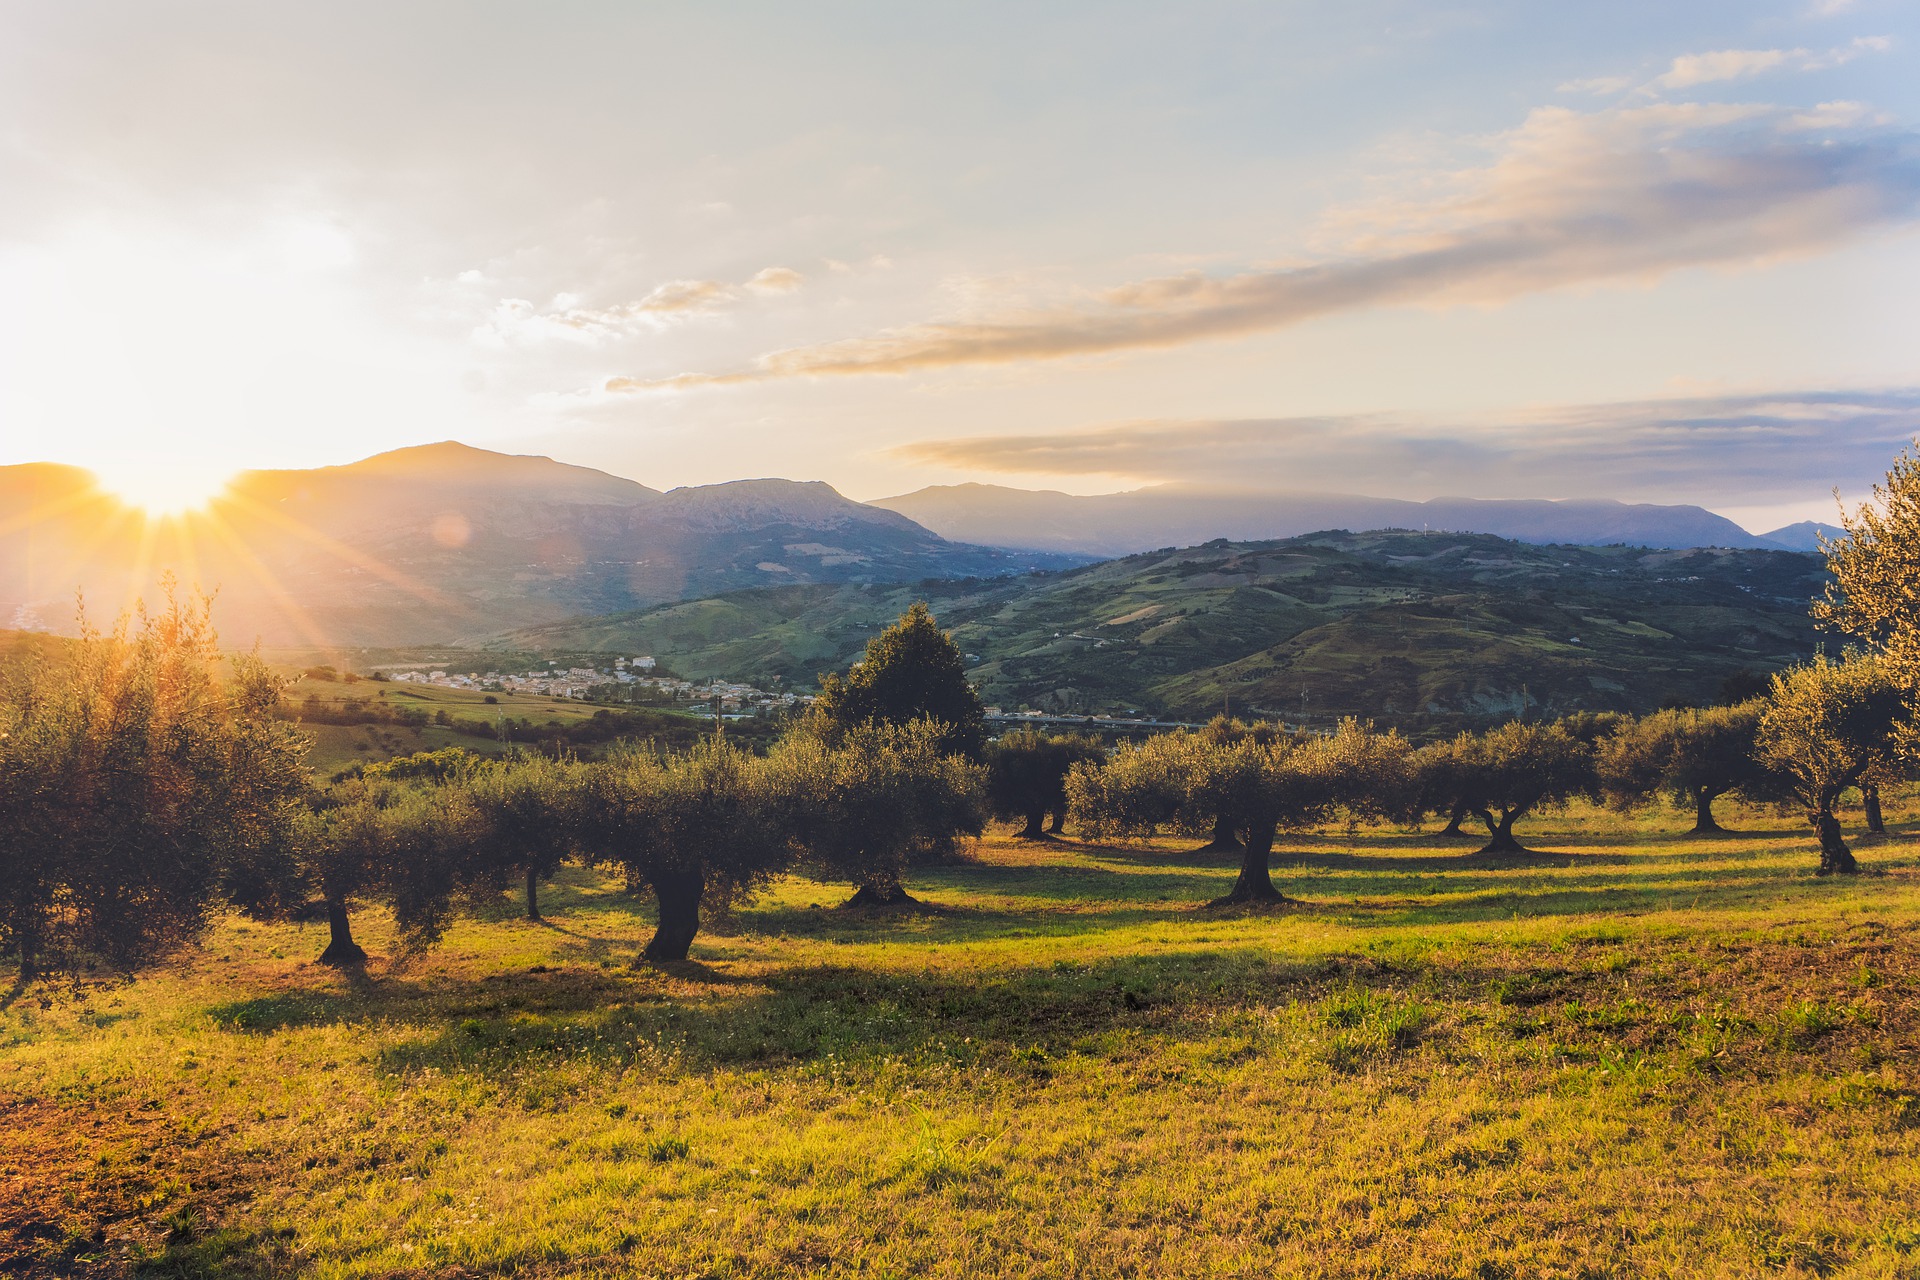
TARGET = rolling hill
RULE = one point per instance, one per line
(1425, 631)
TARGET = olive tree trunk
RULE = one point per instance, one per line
(882, 891)
(1500, 831)
(1835, 857)
(1457, 816)
(29, 958)
(1703, 820)
(533, 894)
(342, 951)
(1224, 841)
(1036, 828)
(678, 893)
(1059, 823)
(1876, 821)
(1255, 881)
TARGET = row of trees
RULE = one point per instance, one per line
(1824, 729)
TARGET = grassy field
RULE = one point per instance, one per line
(339, 746)
(1632, 1054)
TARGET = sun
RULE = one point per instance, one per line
(163, 489)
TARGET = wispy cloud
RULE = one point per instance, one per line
(516, 319)
(1734, 448)
(776, 280)
(1569, 198)
(1694, 69)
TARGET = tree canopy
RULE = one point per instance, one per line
(911, 671)
(138, 790)
(1694, 754)
(1874, 591)
(1027, 775)
(870, 805)
(1831, 724)
(695, 827)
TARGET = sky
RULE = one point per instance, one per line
(1646, 251)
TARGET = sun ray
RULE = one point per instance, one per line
(358, 559)
(289, 608)
(47, 510)
(77, 555)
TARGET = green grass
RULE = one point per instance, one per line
(1632, 1054)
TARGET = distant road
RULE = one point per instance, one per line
(1098, 722)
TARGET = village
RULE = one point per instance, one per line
(624, 680)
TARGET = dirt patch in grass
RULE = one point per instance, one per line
(94, 1191)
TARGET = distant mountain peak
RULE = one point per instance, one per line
(773, 501)
(1115, 524)
(1803, 536)
(450, 461)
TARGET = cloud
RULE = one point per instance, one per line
(1569, 198)
(1747, 449)
(1694, 69)
(776, 280)
(1691, 70)
(667, 304)
(1603, 86)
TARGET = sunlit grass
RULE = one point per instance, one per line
(1632, 1054)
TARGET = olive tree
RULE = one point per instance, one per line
(1258, 783)
(1693, 754)
(875, 802)
(528, 812)
(414, 847)
(1438, 774)
(1509, 772)
(1300, 781)
(1027, 776)
(139, 789)
(1829, 725)
(702, 826)
(1180, 781)
(1873, 592)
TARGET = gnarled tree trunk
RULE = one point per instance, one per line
(1255, 881)
(1454, 819)
(1835, 857)
(342, 951)
(1059, 823)
(1703, 821)
(533, 894)
(1036, 828)
(678, 893)
(1223, 840)
(1500, 831)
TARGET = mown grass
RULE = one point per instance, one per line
(1631, 1054)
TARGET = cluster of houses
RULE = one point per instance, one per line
(606, 684)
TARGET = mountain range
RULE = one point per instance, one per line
(426, 544)
(1118, 524)
(446, 542)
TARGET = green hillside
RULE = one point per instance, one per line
(1420, 630)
